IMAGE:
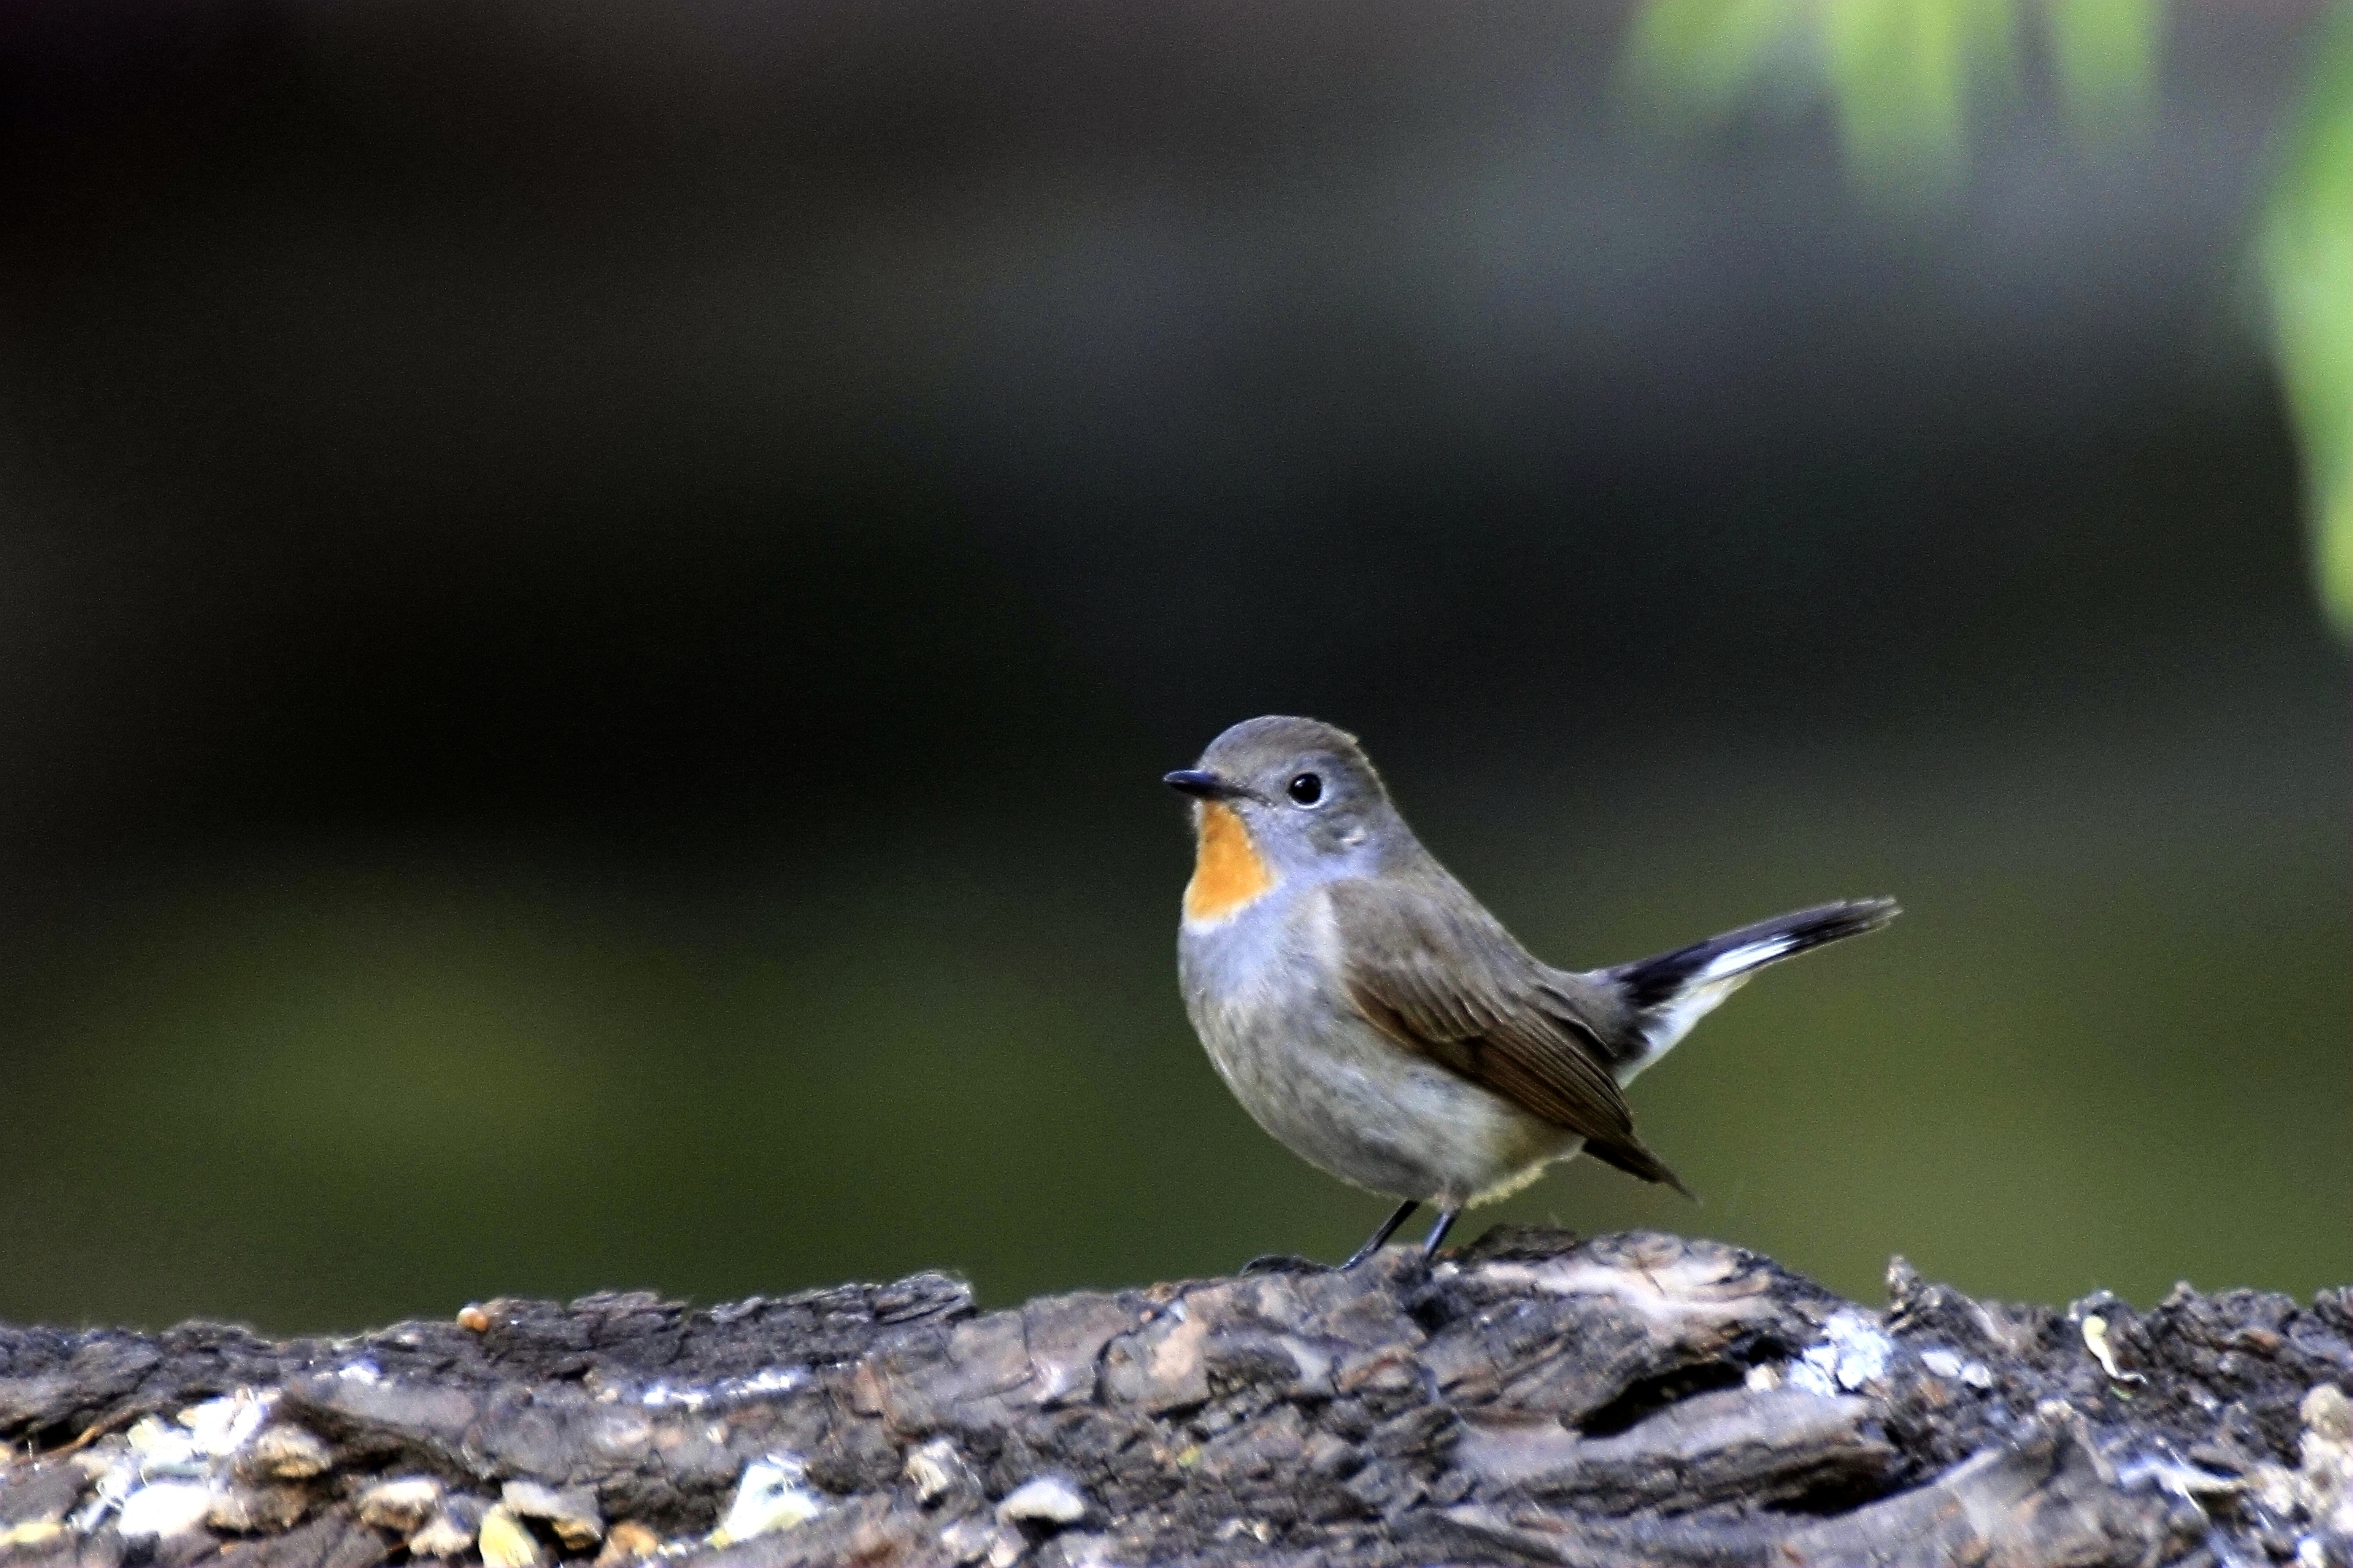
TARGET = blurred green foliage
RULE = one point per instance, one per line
(2103, 60)
(2305, 250)
(1901, 77)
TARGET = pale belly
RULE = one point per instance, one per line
(1338, 1093)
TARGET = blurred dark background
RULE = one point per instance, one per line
(592, 599)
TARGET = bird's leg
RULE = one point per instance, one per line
(1446, 1219)
(1381, 1237)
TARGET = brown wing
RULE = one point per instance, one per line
(1453, 984)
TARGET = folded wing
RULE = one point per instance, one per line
(1453, 986)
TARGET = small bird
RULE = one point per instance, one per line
(1371, 1014)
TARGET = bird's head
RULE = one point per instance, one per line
(1278, 798)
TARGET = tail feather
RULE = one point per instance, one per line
(1636, 1159)
(1672, 991)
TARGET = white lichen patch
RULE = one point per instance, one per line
(1948, 1365)
(967, 1540)
(770, 1497)
(445, 1535)
(2319, 1490)
(285, 1453)
(112, 1483)
(934, 1468)
(1853, 1353)
(1045, 1499)
(1667, 1289)
(402, 1505)
(2167, 1472)
(160, 1449)
(165, 1508)
(219, 1427)
(162, 1477)
(767, 1381)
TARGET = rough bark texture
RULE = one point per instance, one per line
(1626, 1399)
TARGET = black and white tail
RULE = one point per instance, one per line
(1675, 990)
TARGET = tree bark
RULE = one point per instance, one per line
(1536, 1398)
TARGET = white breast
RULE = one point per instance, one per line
(1262, 992)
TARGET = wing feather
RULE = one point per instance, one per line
(1453, 986)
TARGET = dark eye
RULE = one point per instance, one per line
(1306, 789)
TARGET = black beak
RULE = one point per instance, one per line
(1199, 782)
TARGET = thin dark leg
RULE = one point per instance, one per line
(1438, 1233)
(1381, 1237)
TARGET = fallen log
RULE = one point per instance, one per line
(1533, 1398)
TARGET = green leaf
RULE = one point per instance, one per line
(1900, 74)
(1900, 77)
(2104, 55)
(2304, 250)
(1704, 59)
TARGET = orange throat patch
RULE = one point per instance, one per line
(1226, 872)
